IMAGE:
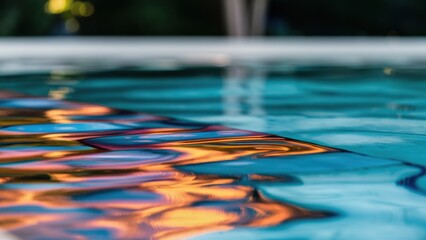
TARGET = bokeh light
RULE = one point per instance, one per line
(70, 10)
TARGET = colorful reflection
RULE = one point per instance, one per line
(80, 171)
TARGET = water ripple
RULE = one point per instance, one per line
(71, 170)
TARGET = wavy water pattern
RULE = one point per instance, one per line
(83, 171)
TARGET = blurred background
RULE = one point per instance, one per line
(213, 17)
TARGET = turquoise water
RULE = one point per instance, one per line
(362, 109)
(375, 191)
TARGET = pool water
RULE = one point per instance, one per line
(254, 151)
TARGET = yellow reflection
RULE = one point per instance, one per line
(56, 154)
(60, 93)
(195, 219)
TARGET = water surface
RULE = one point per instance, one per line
(356, 171)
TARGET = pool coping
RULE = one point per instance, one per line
(220, 51)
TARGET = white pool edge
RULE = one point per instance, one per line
(371, 49)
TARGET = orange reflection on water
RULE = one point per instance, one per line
(63, 185)
(61, 115)
(186, 222)
(226, 149)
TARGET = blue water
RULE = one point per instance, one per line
(376, 191)
(354, 108)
